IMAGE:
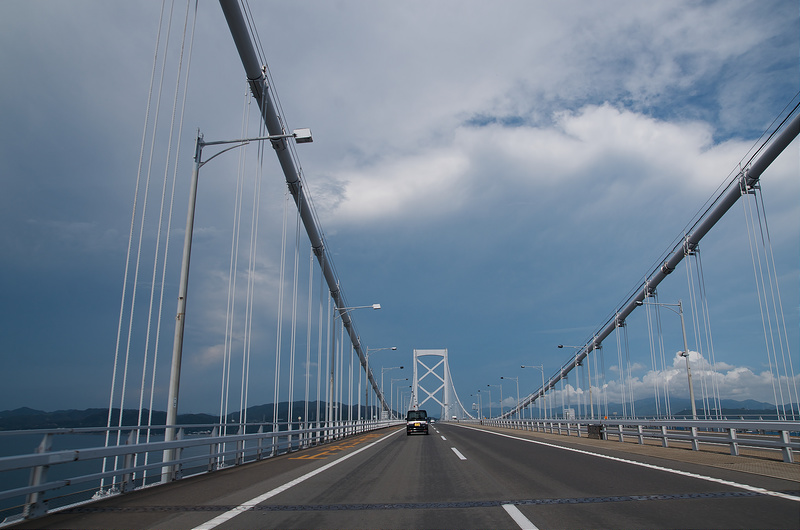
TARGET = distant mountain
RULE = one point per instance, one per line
(682, 407)
(27, 418)
(24, 411)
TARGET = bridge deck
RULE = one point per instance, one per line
(463, 476)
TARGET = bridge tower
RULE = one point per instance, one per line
(434, 383)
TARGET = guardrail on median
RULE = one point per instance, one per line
(75, 465)
(776, 435)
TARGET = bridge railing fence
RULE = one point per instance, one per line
(783, 436)
(71, 466)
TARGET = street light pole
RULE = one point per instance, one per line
(589, 373)
(501, 398)
(544, 398)
(685, 352)
(391, 395)
(300, 136)
(517, 381)
(338, 312)
(366, 389)
(383, 371)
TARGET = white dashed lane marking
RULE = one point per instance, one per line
(520, 519)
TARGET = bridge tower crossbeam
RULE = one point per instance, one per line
(443, 391)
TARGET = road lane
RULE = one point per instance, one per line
(558, 488)
(421, 482)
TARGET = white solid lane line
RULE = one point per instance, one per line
(739, 485)
(520, 519)
(252, 503)
(458, 454)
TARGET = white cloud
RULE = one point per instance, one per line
(622, 155)
(733, 382)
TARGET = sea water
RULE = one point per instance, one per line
(22, 444)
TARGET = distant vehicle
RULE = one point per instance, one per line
(416, 421)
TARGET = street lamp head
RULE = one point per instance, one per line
(302, 136)
(394, 347)
(639, 302)
(376, 306)
(560, 345)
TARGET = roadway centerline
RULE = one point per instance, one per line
(327, 450)
(747, 487)
(255, 501)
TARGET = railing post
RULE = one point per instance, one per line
(34, 506)
(734, 443)
(640, 434)
(621, 434)
(787, 451)
(239, 458)
(178, 467)
(127, 463)
(664, 439)
(213, 449)
(695, 441)
(260, 450)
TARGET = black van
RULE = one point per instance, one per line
(416, 421)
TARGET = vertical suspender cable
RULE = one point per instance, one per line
(278, 338)
(151, 307)
(779, 316)
(251, 278)
(130, 238)
(322, 298)
(709, 336)
(308, 334)
(230, 318)
(761, 293)
(696, 326)
(169, 220)
(653, 359)
(622, 391)
(293, 339)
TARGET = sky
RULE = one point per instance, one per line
(498, 176)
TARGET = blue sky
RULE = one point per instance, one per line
(497, 176)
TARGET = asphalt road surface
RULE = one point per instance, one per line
(456, 477)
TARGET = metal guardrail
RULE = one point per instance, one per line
(776, 435)
(130, 465)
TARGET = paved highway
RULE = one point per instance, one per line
(456, 477)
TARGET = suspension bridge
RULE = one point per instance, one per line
(328, 451)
